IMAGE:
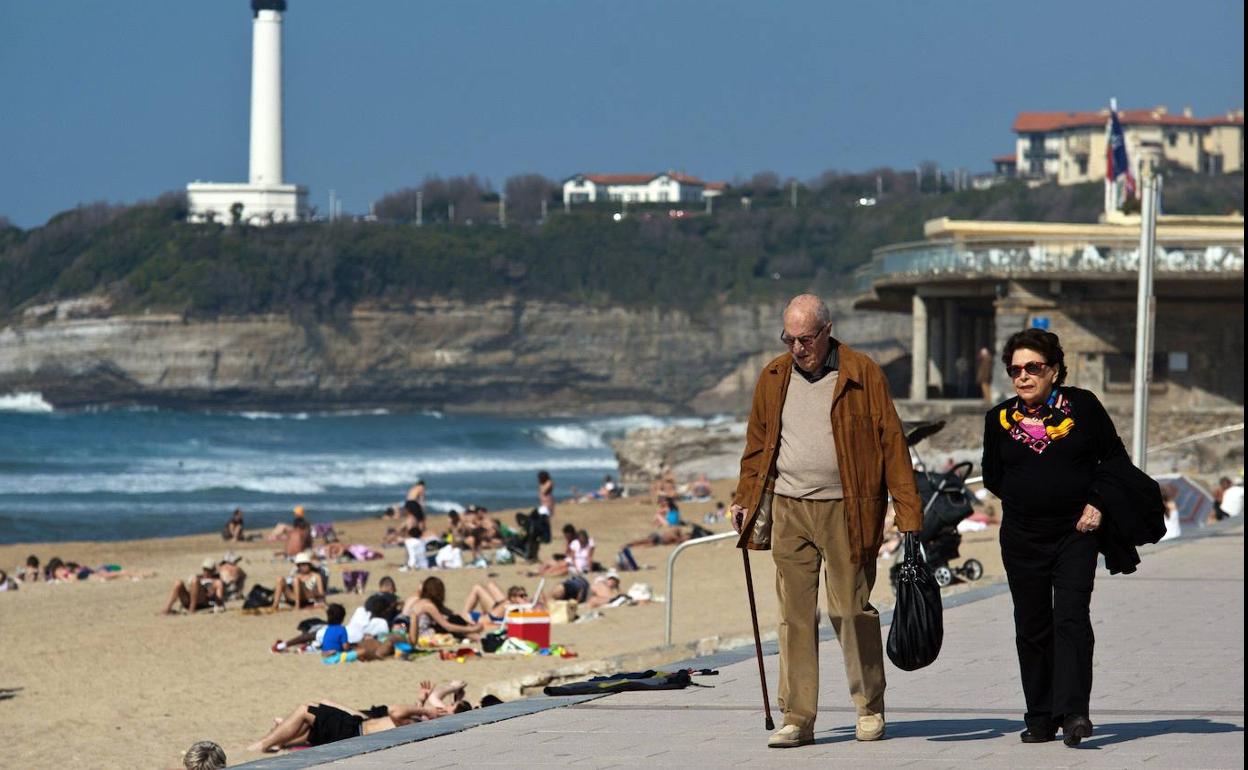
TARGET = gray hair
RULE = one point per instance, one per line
(204, 755)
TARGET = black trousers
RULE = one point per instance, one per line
(1051, 571)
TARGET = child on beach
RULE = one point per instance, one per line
(334, 636)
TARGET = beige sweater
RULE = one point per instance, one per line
(806, 464)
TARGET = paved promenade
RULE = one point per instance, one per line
(1169, 692)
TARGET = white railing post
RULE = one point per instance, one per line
(671, 562)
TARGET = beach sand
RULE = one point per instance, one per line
(101, 680)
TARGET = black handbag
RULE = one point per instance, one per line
(918, 626)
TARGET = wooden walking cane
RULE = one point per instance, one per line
(758, 642)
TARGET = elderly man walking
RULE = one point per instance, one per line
(823, 450)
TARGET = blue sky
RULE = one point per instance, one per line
(120, 100)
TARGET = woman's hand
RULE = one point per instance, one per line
(1090, 521)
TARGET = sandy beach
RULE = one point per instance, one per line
(101, 680)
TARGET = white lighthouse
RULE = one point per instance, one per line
(264, 199)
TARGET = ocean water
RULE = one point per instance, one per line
(137, 473)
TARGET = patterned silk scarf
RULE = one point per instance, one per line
(1040, 426)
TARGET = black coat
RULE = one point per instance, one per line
(1133, 512)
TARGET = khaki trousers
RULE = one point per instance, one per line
(805, 535)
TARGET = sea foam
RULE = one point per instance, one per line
(30, 403)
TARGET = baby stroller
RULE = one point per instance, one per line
(946, 502)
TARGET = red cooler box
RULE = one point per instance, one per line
(529, 625)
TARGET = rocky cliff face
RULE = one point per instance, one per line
(499, 356)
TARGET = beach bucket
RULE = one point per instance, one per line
(529, 625)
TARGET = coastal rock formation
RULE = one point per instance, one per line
(714, 450)
(496, 356)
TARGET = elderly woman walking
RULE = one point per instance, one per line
(1041, 452)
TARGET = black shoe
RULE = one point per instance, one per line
(1075, 729)
(1038, 735)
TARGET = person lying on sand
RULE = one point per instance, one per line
(575, 588)
(605, 591)
(305, 588)
(197, 591)
(31, 572)
(325, 722)
(666, 536)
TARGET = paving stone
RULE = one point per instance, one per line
(1168, 692)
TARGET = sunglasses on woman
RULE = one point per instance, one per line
(1034, 368)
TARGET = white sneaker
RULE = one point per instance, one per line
(788, 737)
(869, 727)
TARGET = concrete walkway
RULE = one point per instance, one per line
(1169, 692)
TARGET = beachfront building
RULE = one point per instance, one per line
(1069, 147)
(970, 285)
(665, 187)
(265, 198)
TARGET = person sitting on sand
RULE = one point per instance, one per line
(559, 563)
(325, 722)
(665, 485)
(335, 639)
(30, 573)
(332, 636)
(492, 603)
(305, 588)
(700, 489)
(233, 529)
(717, 515)
(298, 540)
(609, 489)
(233, 578)
(581, 553)
(430, 616)
(7, 583)
(198, 590)
(668, 514)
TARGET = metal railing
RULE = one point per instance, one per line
(671, 559)
(671, 563)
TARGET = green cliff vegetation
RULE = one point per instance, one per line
(146, 257)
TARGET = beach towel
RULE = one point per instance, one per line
(362, 552)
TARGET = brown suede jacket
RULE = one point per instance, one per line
(870, 449)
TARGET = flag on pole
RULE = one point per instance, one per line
(1116, 165)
